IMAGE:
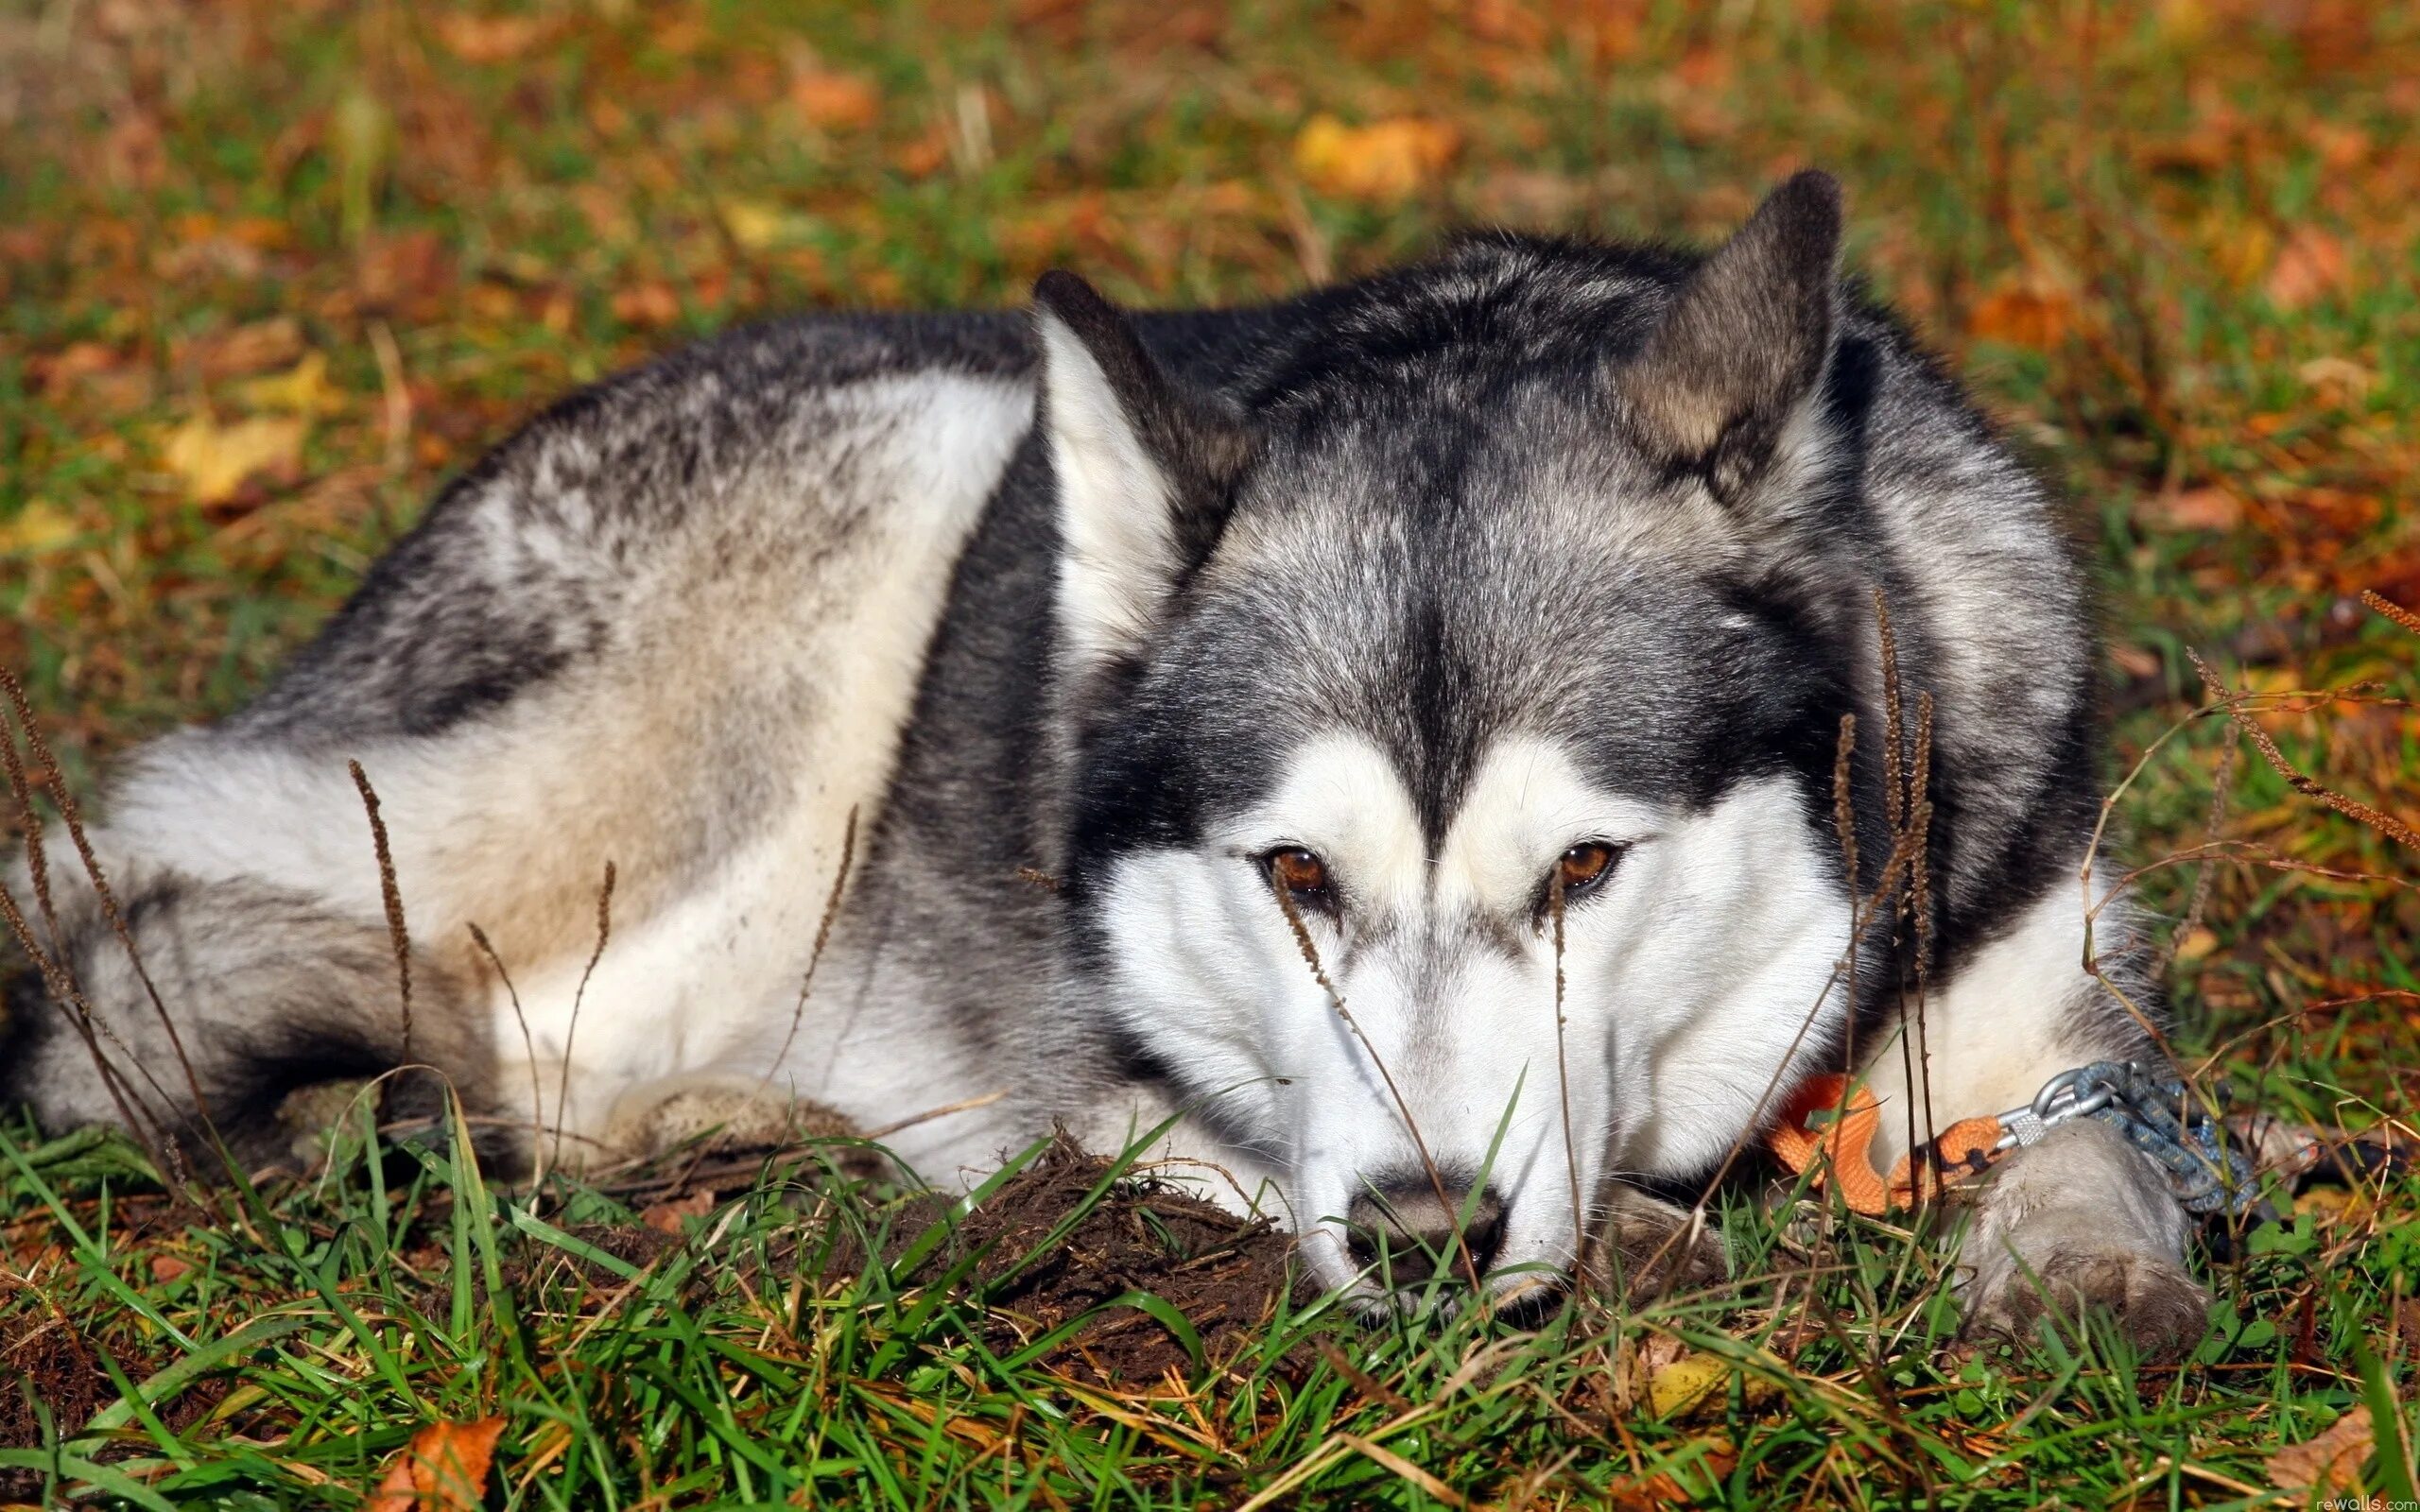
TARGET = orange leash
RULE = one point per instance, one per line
(1819, 1129)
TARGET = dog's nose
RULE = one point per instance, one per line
(1401, 1231)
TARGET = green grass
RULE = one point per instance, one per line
(302, 1335)
(2176, 247)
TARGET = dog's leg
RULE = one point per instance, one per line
(2081, 1221)
(262, 993)
(729, 1112)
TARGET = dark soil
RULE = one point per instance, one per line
(60, 1369)
(1226, 1274)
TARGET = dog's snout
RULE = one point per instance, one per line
(1403, 1230)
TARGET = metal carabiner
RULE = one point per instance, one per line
(2055, 1104)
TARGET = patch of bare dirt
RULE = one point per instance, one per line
(1226, 1275)
(55, 1368)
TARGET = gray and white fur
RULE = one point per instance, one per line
(1344, 625)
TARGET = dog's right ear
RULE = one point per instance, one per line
(1144, 471)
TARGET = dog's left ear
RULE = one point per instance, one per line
(1144, 471)
(1719, 381)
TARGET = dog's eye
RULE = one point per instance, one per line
(1299, 874)
(1583, 866)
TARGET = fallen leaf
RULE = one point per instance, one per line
(444, 1469)
(923, 155)
(1638, 1493)
(247, 349)
(39, 527)
(78, 360)
(303, 390)
(2331, 1204)
(2311, 266)
(397, 272)
(489, 38)
(1383, 160)
(2023, 312)
(214, 459)
(834, 101)
(169, 1268)
(653, 304)
(2199, 943)
(2337, 372)
(2332, 1460)
(1684, 1383)
(667, 1217)
(2206, 509)
(2136, 661)
(754, 224)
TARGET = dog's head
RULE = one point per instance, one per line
(1456, 702)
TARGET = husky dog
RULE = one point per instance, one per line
(1422, 699)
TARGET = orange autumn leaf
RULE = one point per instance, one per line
(1383, 160)
(2204, 508)
(2332, 1460)
(834, 101)
(444, 1469)
(666, 1217)
(2311, 266)
(489, 39)
(2023, 315)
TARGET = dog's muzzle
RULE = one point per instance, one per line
(1402, 1230)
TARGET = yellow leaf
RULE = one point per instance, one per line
(214, 459)
(303, 390)
(1383, 160)
(37, 528)
(444, 1469)
(754, 224)
(1684, 1383)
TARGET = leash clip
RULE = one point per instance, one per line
(2055, 1104)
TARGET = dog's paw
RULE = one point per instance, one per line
(2154, 1304)
(726, 1115)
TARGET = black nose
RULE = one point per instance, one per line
(1403, 1234)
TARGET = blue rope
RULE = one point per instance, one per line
(2160, 1117)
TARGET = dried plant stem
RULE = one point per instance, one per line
(1862, 915)
(391, 893)
(1893, 735)
(2383, 605)
(2352, 808)
(571, 1030)
(21, 798)
(2221, 785)
(1562, 1091)
(1428, 1162)
(1844, 826)
(54, 783)
(823, 937)
(528, 1045)
(1919, 842)
(64, 993)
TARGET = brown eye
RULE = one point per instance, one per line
(1583, 865)
(1300, 873)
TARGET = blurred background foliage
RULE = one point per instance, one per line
(271, 271)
